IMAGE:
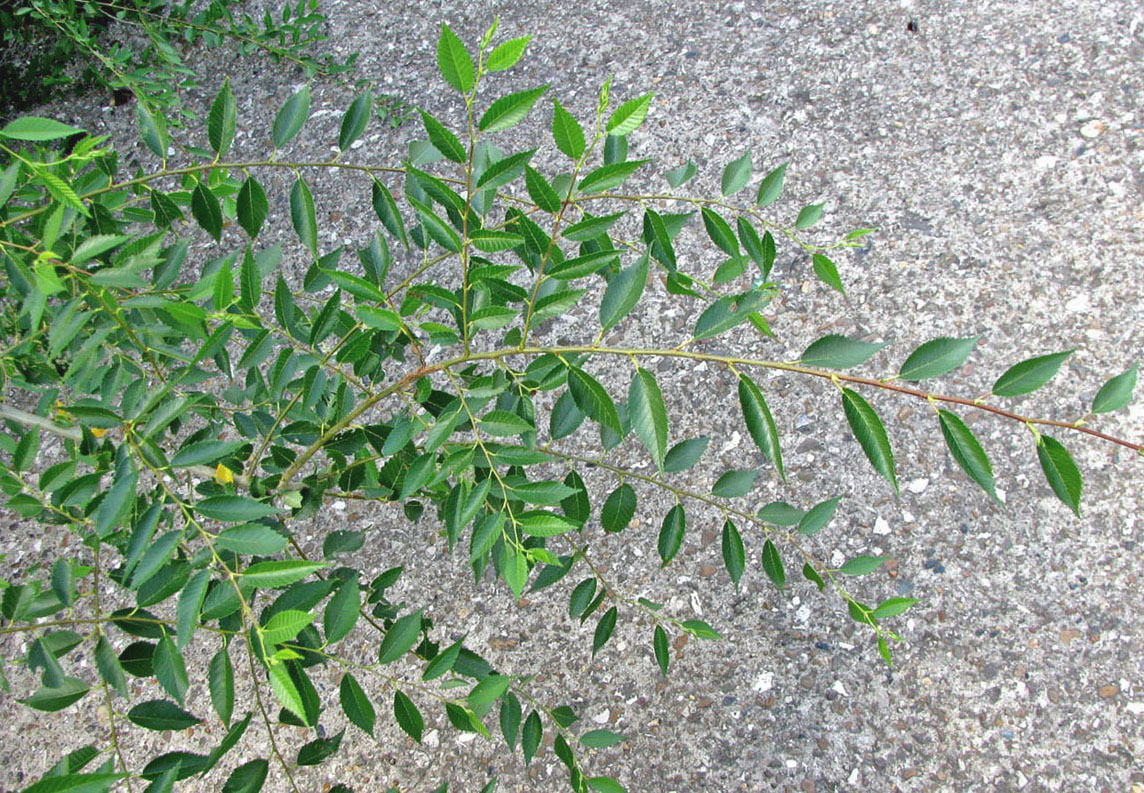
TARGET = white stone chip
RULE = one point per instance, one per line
(764, 682)
(881, 526)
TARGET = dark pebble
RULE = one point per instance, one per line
(822, 645)
(932, 563)
(729, 700)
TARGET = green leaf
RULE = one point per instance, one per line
(593, 400)
(760, 422)
(51, 699)
(342, 541)
(252, 539)
(591, 227)
(530, 736)
(1060, 471)
(35, 128)
(319, 749)
(302, 215)
(380, 318)
(488, 691)
(660, 646)
(728, 312)
(604, 629)
(505, 55)
(220, 679)
(771, 186)
(733, 484)
(736, 174)
(356, 705)
(386, 210)
(648, 413)
(892, 607)
(341, 612)
(221, 120)
(967, 452)
(1116, 393)
(773, 564)
(109, 667)
(700, 629)
(290, 119)
(153, 130)
(161, 714)
(566, 131)
(871, 435)
(118, 502)
(286, 691)
(234, 509)
(671, 533)
(808, 216)
(284, 626)
(454, 61)
(437, 229)
(826, 271)
(275, 575)
(1029, 375)
(539, 523)
(204, 453)
(356, 119)
(502, 424)
(810, 574)
(206, 211)
(685, 454)
(247, 778)
(251, 206)
(720, 232)
(623, 293)
(839, 352)
(540, 191)
(400, 638)
(509, 110)
(815, 519)
(608, 176)
(407, 715)
(734, 555)
(605, 784)
(628, 117)
(190, 605)
(601, 739)
(937, 357)
(663, 249)
(170, 668)
(862, 565)
(780, 513)
(677, 176)
(619, 509)
(442, 139)
(510, 714)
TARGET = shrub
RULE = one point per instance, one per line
(200, 413)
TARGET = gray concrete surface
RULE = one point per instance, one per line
(999, 149)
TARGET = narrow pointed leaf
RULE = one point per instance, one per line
(648, 414)
(302, 215)
(771, 186)
(247, 778)
(206, 211)
(871, 435)
(220, 679)
(356, 119)
(604, 629)
(454, 61)
(400, 638)
(1029, 375)
(1060, 471)
(252, 206)
(290, 119)
(808, 216)
(356, 705)
(1116, 393)
(509, 110)
(221, 120)
(566, 131)
(593, 400)
(773, 564)
(760, 422)
(443, 139)
(736, 174)
(734, 554)
(540, 191)
(623, 292)
(161, 714)
(720, 232)
(619, 509)
(671, 533)
(826, 271)
(628, 117)
(839, 352)
(505, 55)
(685, 454)
(937, 357)
(734, 484)
(967, 452)
(386, 210)
(407, 715)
